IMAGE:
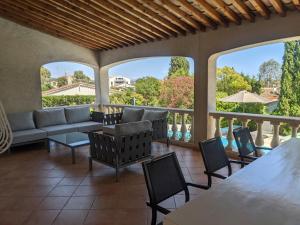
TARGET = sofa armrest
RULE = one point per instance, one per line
(160, 129)
(97, 116)
(111, 119)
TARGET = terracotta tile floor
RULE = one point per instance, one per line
(37, 188)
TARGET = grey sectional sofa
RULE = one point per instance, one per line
(36, 126)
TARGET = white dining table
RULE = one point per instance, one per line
(266, 192)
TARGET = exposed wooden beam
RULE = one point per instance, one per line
(212, 12)
(128, 10)
(38, 11)
(37, 26)
(261, 8)
(197, 14)
(243, 9)
(278, 6)
(85, 22)
(165, 13)
(181, 14)
(86, 11)
(147, 13)
(227, 11)
(105, 8)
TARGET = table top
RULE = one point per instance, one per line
(72, 139)
(266, 192)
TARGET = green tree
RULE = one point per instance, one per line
(126, 97)
(179, 66)
(270, 73)
(79, 76)
(149, 88)
(45, 79)
(289, 99)
(230, 81)
(178, 92)
(61, 81)
(256, 85)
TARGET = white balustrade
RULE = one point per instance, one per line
(180, 121)
(275, 121)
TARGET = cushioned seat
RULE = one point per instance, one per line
(88, 126)
(124, 129)
(109, 129)
(28, 135)
(60, 129)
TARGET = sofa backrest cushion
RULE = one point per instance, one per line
(77, 114)
(49, 117)
(131, 115)
(132, 128)
(21, 121)
(154, 115)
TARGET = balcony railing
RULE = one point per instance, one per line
(180, 126)
(259, 119)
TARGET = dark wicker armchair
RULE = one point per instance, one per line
(119, 151)
(160, 127)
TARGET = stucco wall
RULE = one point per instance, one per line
(204, 47)
(22, 52)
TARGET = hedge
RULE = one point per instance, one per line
(64, 100)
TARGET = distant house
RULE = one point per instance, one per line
(273, 95)
(72, 89)
(119, 82)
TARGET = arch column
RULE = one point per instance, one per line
(102, 86)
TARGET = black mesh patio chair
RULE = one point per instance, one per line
(164, 179)
(215, 158)
(246, 147)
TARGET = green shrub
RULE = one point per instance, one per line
(65, 100)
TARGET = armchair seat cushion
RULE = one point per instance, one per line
(154, 115)
(28, 135)
(131, 115)
(60, 129)
(109, 129)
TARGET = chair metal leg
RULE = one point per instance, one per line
(209, 181)
(154, 216)
(117, 174)
(90, 163)
(73, 156)
(48, 145)
(168, 142)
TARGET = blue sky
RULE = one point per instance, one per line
(246, 61)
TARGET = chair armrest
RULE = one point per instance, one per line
(113, 118)
(158, 208)
(215, 175)
(160, 129)
(205, 187)
(264, 148)
(97, 116)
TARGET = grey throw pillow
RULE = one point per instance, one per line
(21, 121)
(154, 115)
(131, 115)
(77, 114)
(49, 117)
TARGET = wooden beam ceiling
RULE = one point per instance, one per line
(110, 24)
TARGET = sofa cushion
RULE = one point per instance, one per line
(77, 114)
(28, 135)
(21, 121)
(49, 117)
(60, 129)
(109, 129)
(132, 115)
(154, 115)
(128, 128)
(88, 126)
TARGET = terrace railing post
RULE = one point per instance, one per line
(183, 127)
(275, 140)
(295, 127)
(174, 127)
(259, 140)
(192, 128)
(230, 137)
(218, 132)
